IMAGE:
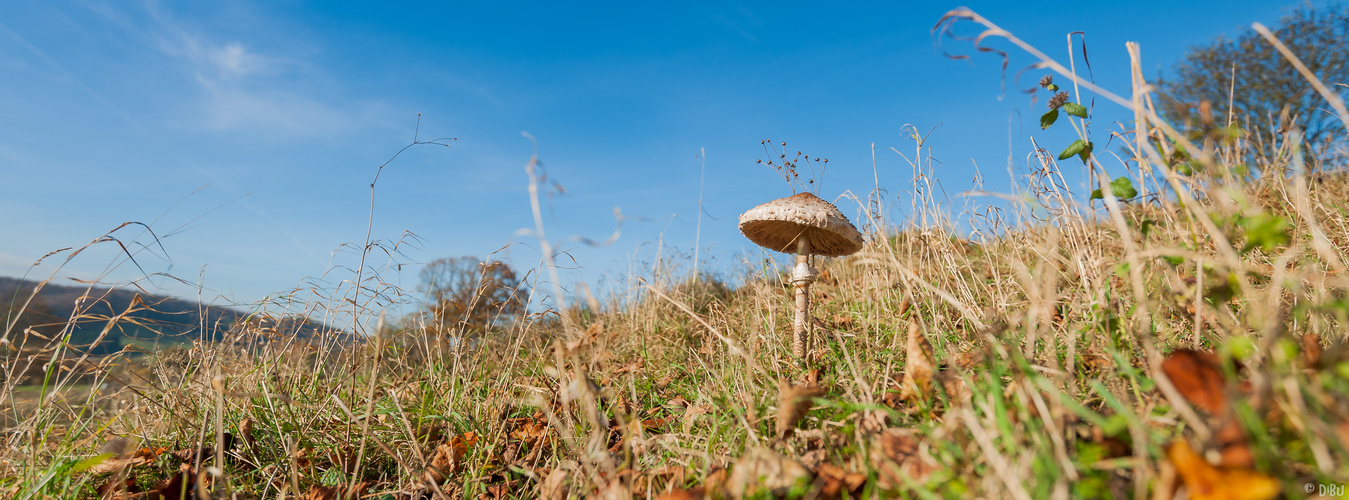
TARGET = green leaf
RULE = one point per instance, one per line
(1123, 188)
(1053, 87)
(1047, 119)
(1239, 347)
(1085, 154)
(1074, 148)
(1096, 195)
(1265, 231)
(1173, 260)
(1075, 109)
(1146, 227)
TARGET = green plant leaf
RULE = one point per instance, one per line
(1053, 87)
(1047, 119)
(1265, 231)
(1075, 109)
(1173, 260)
(1123, 188)
(1085, 154)
(1074, 148)
(1146, 226)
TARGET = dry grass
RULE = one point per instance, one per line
(1051, 347)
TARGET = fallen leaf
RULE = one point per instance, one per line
(919, 366)
(632, 367)
(897, 455)
(118, 488)
(678, 402)
(143, 456)
(1311, 349)
(1206, 482)
(666, 478)
(813, 458)
(793, 403)
(449, 457)
(1197, 376)
(246, 430)
(833, 481)
(339, 492)
(554, 485)
(182, 486)
(762, 469)
(693, 494)
(691, 416)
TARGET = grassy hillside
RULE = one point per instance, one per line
(1182, 345)
(154, 320)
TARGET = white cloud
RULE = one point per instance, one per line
(269, 94)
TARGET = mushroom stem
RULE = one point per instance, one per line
(802, 276)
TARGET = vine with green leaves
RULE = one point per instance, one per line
(1122, 187)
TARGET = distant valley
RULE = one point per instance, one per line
(157, 322)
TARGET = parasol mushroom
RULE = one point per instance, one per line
(808, 225)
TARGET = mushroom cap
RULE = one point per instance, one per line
(777, 224)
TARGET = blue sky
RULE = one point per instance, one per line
(246, 134)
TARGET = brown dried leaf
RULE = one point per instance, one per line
(1197, 376)
(678, 402)
(449, 457)
(762, 469)
(919, 366)
(691, 416)
(898, 455)
(793, 403)
(142, 456)
(632, 367)
(554, 485)
(118, 488)
(836, 481)
(666, 478)
(339, 492)
(182, 486)
(1311, 349)
(246, 430)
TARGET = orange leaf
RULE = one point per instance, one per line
(1198, 377)
(1207, 482)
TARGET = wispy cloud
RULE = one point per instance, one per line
(240, 87)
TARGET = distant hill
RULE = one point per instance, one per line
(159, 321)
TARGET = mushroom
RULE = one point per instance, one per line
(808, 225)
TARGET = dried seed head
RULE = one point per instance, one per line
(1046, 81)
(1058, 100)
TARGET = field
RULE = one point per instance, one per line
(1178, 335)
